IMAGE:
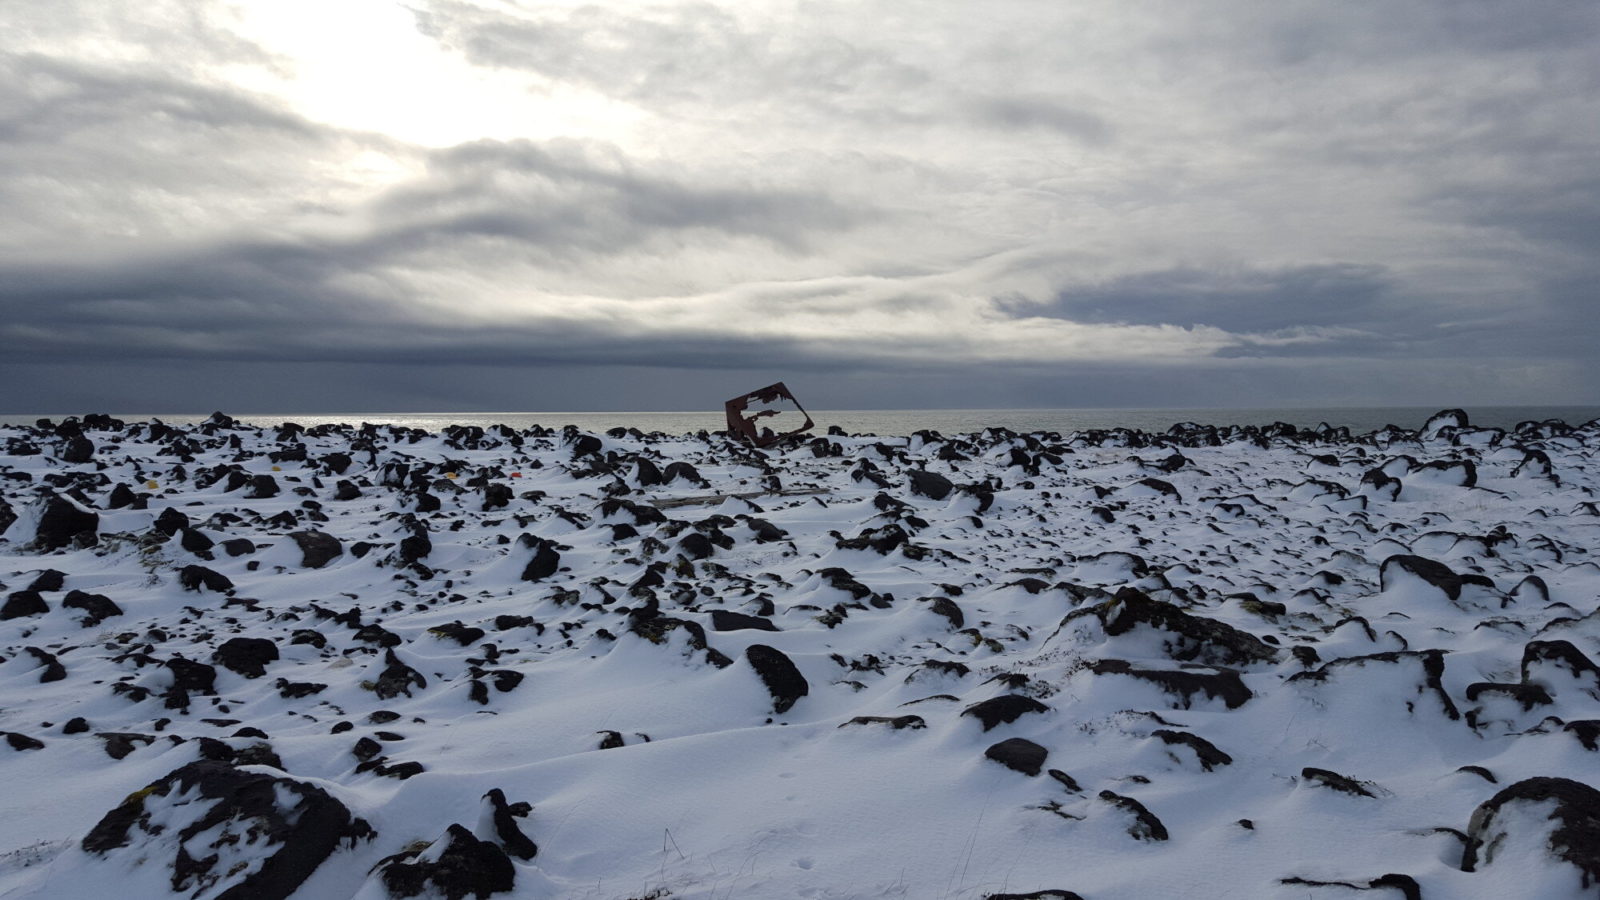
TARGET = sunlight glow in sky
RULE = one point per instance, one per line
(1166, 203)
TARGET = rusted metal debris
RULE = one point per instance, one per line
(744, 413)
(664, 503)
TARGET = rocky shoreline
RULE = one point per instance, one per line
(362, 661)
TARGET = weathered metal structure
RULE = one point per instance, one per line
(746, 411)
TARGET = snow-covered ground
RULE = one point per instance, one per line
(241, 661)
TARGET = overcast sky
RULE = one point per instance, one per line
(362, 205)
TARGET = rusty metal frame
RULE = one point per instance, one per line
(745, 426)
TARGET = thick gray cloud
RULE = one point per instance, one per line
(452, 203)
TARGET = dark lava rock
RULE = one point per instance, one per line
(397, 678)
(77, 450)
(1526, 695)
(1218, 684)
(1405, 884)
(1558, 655)
(946, 607)
(118, 744)
(188, 675)
(247, 656)
(1586, 731)
(1004, 708)
(1574, 839)
(1435, 573)
(62, 524)
(414, 547)
(19, 741)
(48, 580)
(696, 546)
(261, 487)
(193, 578)
(298, 690)
(317, 548)
(377, 634)
(464, 866)
(298, 824)
(1161, 487)
(121, 497)
(779, 674)
(23, 603)
(170, 522)
(1145, 827)
(1444, 418)
(1381, 484)
(196, 542)
(53, 669)
(504, 816)
(1458, 472)
(1432, 662)
(496, 496)
(545, 559)
(464, 635)
(96, 607)
(1195, 637)
(1210, 757)
(238, 546)
(727, 620)
(1020, 754)
(766, 532)
(1342, 783)
(930, 484)
(895, 722)
(682, 470)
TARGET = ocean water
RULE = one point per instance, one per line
(906, 421)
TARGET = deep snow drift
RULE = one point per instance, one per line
(339, 662)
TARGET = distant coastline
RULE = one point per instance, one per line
(904, 421)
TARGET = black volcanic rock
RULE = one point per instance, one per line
(1217, 683)
(1002, 709)
(62, 524)
(930, 484)
(1193, 637)
(317, 548)
(1435, 573)
(397, 678)
(1145, 827)
(503, 816)
(23, 603)
(1020, 754)
(779, 674)
(48, 580)
(261, 487)
(193, 578)
(727, 620)
(454, 866)
(289, 826)
(247, 656)
(1205, 751)
(78, 449)
(1574, 808)
(545, 560)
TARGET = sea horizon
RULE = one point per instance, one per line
(1359, 419)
